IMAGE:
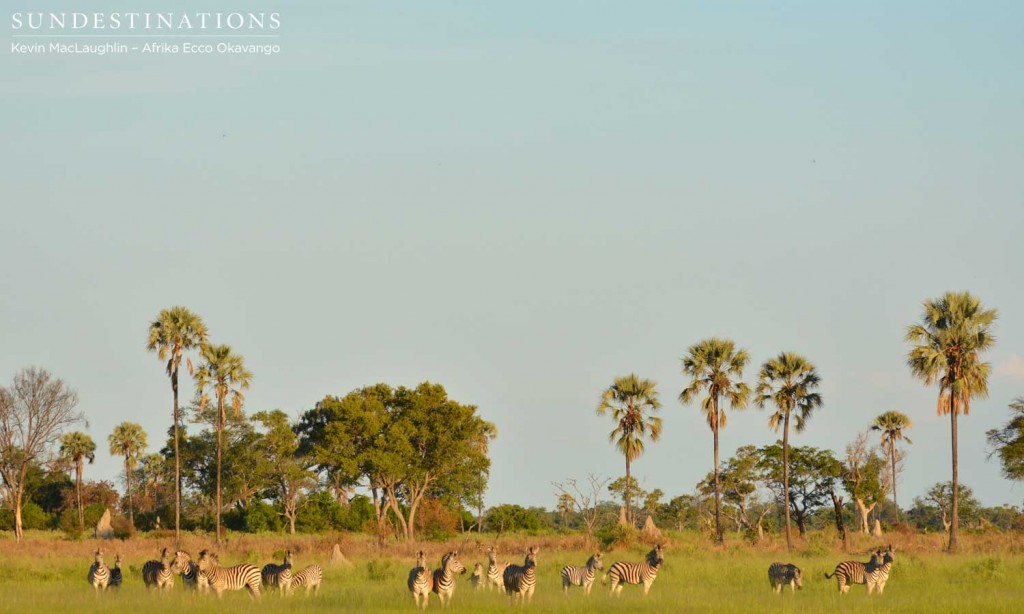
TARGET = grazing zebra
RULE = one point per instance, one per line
(854, 572)
(420, 580)
(115, 573)
(310, 577)
(781, 574)
(495, 569)
(520, 580)
(158, 574)
(444, 578)
(229, 578)
(478, 578)
(644, 572)
(99, 574)
(582, 576)
(878, 575)
(279, 575)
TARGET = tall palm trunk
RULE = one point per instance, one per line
(892, 455)
(131, 514)
(785, 480)
(177, 463)
(718, 491)
(220, 444)
(629, 500)
(78, 493)
(954, 524)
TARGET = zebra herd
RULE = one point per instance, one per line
(206, 574)
(874, 573)
(519, 581)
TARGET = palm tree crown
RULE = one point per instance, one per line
(223, 372)
(788, 381)
(715, 365)
(128, 440)
(627, 400)
(77, 447)
(892, 424)
(174, 331)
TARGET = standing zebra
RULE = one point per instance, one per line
(310, 577)
(478, 578)
(420, 580)
(854, 572)
(115, 573)
(158, 574)
(279, 575)
(582, 576)
(781, 574)
(229, 578)
(189, 571)
(520, 580)
(99, 574)
(644, 572)
(879, 575)
(495, 569)
(444, 578)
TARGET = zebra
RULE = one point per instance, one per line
(158, 574)
(189, 571)
(479, 576)
(229, 578)
(420, 580)
(781, 574)
(878, 575)
(444, 578)
(582, 576)
(115, 573)
(854, 572)
(99, 574)
(279, 575)
(520, 580)
(495, 569)
(310, 577)
(644, 572)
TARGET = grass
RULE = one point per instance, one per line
(46, 575)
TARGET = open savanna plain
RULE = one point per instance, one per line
(45, 574)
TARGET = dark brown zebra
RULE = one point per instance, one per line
(115, 573)
(582, 576)
(279, 576)
(848, 573)
(521, 580)
(310, 578)
(878, 575)
(99, 574)
(444, 578)
(158, 574)
(244, 576)
(644, 572)
(420, 580)
(783, 574)
(495, 569)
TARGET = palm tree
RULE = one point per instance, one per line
(76, 448)
(628, 399)
(128, 440)
(716, 365)
(788, 381)
(174, 331)
(946, 349)
(223, 372)
(892, 424)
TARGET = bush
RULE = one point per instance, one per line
(357, 514)
(319, 513)
(257, 517)
(512, 518)
(436, 522)
(32, 517)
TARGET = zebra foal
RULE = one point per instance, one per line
(279, 575)
(99, 574)
(420, 580)
(158, 574)
(444, 578)
(520, 580)
(244, 576)
(495, 569)
(309, 578)
(115, 573)
(190, 576)
(782, 574)
(644, 572)
(582, 576)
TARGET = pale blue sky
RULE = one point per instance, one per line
(522, 201)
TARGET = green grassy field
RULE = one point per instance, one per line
(693, 579)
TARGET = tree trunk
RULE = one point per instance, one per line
(954, 521)
(291, 523)
(78, 495)
(220, 444)
(785, 480)
(19, 530)
(718, 491)
(864, 511)
(177, 462)
(629, 516)
(892, 453)
(837, 503)
(131, 514)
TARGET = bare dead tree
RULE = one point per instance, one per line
(34, 412)
(584, 499)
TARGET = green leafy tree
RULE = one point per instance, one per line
(946, 348)
(1008, 442)
(934, 510)
(290, 476)
(862, 477)
(892, 425)
(630, 400)
(76, 448)
(175, 331)
(788, 382)
(222, 373)
(739, 479)
(128, 440)
(716, 366)
(621, 490)
(804, 479)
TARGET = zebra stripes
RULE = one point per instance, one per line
(310, 578)
(279, 575)
(782, 574)
(644, 572)
(189, 571)
(158, 574)
(582, 576)
(444, 578)
(495, 569)
(115, 573)
(420, 580)
(229, 578)
(878, 575)
(520, 580)
(479, 576)
(99, 574)
(848, 573)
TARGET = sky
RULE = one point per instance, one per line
(522, 201)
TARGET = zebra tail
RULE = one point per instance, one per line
(829, 576)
